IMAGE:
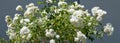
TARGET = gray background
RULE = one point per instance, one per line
(7, 7)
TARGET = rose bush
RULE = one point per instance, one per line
(56, 23)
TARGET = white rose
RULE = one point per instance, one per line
(57, 36)
(47, 34)
(24, 20)
(108, 29)
(24, 30)
(52, 41)
(50, 33)
(16, 17)
(78, 5)
(31, 9)
(19, 8)
(76, 39)
(99, 18)
(61, 3)
(12, 35)
(8, 19)
(29, 36)
(30, 5)
(51, 30)
(78, 13)
(96, 11)
(11, 26)
(77, 22)
(71, 10)
(49, 1)
(81, 37)
(27, 20)
(89, 24)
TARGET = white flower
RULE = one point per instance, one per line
(19, 8)
(89, 24)
(78, 13)
(24, 30)
(30, 5)
(31, 9)
(51, 30)
(96, 11)
(57, 36)
(16, 17)
(9, 31)
(8, 19)
(99, 18)
(28, 13)
(61, 3)
(78, 5)
(27, 20)
(76, 19)
(52, 41)
(29, 36)
(11, 26)
(71, 6)
(77, 22)
(12, 35)
(58, 10)
(50, 33)
(76, 39)
(108, 29)
(49, 1)
(71, 10)
(24, 20)
(80, 37)
(86, 12)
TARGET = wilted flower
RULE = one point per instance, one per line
(52, 41)
(19, 8)
(24, 30)
(108, 29)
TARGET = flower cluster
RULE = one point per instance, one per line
(56, 23)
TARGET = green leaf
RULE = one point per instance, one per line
(39, 3)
